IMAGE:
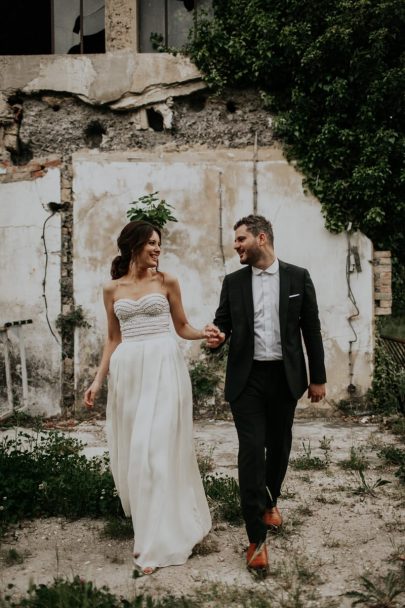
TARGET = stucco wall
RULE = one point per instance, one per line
(23, 211)
(194, 182)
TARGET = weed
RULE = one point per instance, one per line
(223, 496)
(118, 527)
(367, 488)
(207, 546)
(326, 500)
(305, 461)
(304, 510)
(380, 592)
(70, 320)
(357, 460)
(288, 493)
(11, 557)
(396, 424)
(206, 463)
(392, 455)
(47, 475)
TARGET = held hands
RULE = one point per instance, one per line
(91, 393)
(213, 335)
(316, 392)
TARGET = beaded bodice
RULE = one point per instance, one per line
(146, 316)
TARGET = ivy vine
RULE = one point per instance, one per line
(333, 74)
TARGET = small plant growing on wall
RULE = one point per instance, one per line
(151, 208)
(73, 319)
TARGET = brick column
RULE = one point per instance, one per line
(66, 285)
(382, 282)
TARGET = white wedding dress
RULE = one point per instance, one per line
(150, 435)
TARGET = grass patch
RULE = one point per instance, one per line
(223, 497)
(357, 460)
(11, 557)
(306, 461)
(368, 488)
(378, 592)
(118, 528)
(206, 463)
(47, 475)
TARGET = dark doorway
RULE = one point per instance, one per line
(26, 28)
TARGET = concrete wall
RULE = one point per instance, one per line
(23, 211)
(197, 182)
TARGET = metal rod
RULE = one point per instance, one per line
(9, 381)
(255, 176)
(221, 241)
(81, 28)
(19, 331)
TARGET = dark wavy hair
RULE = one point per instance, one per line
(131, 241)
(256, 224)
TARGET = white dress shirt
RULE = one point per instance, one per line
(266, 296)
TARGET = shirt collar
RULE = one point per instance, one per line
(272, 269)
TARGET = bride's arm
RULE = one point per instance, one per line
(112, 340)
(180, 322)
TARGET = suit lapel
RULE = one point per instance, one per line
(248, 294)
(284, 293)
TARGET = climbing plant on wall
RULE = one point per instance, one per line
(333, 74)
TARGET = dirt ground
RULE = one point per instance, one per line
(331, 535)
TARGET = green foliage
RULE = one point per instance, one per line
(70, 320)
(396, 456)
(223, 496)
(379, 592)
(118, 527)
(368, 488)
(306, 461)
(150, 208)
(333, 73)
(47, 475)
(387, 393)
(357, 460)
(204, 379)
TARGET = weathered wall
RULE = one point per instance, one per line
(198, 183)
(23, 211)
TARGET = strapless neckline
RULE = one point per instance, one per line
(147, 295)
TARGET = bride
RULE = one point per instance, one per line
(149, 408)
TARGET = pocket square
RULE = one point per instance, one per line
(294, 295)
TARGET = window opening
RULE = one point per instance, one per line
(171, 20)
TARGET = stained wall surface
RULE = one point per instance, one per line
(209, 188)
(27, 274)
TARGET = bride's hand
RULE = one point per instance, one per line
(91, 394)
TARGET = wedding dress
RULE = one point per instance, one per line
(150, 435)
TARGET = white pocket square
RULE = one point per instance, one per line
(294, 295)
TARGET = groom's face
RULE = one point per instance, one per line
(247, 246)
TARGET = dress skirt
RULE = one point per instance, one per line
(150, 440)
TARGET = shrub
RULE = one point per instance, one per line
(47, 475)
(387, 393)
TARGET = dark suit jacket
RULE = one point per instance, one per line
(298, 319)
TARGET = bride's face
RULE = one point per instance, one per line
(149, 255)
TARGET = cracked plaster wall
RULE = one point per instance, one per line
(200, 130)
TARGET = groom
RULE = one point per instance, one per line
(266, 309)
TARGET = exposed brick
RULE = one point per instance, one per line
(38, 173)
(382, 311)
(382, 254)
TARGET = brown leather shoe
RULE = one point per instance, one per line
(257, 559)
(272, 518)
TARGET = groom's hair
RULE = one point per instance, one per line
(257, 224)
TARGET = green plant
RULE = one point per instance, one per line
(150, 208)
(70, 320)
(387, 393)
(11, 557)
(357, 460)
(305, 461)
(392, 454)
(368, 488)
(379, 592)
(47, 474)
(118, 527)
(205, 463)
(223, 497)
(332, 72)
(204, 379)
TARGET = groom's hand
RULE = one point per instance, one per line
(213, 335)
(316, 392)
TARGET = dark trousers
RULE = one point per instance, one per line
(263, 415)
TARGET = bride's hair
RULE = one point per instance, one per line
(131, 241)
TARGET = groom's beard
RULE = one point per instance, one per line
(251, 257)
